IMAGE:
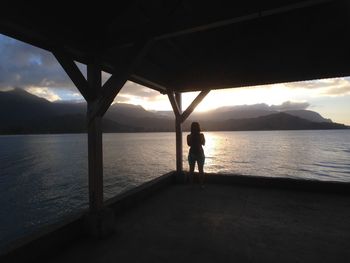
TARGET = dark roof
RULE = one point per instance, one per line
(196, 44)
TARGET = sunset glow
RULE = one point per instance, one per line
(329, 97)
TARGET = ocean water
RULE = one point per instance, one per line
(43, 178)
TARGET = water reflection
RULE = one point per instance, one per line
(298, 154)
(43, 178)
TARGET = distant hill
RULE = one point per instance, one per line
(308, 115)
(253, 111)
(119, 110)
(23, 113)
(138, 117)
(276, 121)
(18, 105)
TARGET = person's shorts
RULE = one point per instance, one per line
(193, 158)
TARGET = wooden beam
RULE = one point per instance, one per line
(160, 31)
(178, 130)
(95, 157)
(234, 20)
(73, 72)
(148, 83)
(179, 52)
(115, 83)
(94, 75)
(174, 104)
(95, 151)
(193, 105)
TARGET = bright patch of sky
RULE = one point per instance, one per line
(44, 93)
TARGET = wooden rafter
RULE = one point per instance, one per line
(94, 77)
(116, 82)
(229, 21)
(160, 32)
(182, 116)
(145, 82)
(74, 73)
(194, 104)
(174, 104)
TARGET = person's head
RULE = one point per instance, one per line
(195, 128)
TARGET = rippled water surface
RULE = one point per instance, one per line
(44, 177)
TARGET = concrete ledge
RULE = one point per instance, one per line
(45, 242)
(281, 183)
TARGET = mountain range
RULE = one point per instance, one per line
(23, 113)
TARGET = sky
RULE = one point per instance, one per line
(38, 72)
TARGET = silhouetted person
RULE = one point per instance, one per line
(196, 154)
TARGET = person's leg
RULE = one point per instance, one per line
(191, 173)
(201, 173)
(201, 169)
(191, 163)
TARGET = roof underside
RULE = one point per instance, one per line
(197, 45)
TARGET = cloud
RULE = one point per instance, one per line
(331, 87)
(136, 90)
(122, 99)
(288, 105)
(338, 91)
(134, 93)
(45, 93)
(26, 66)
(259, 106)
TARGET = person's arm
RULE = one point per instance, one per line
(189, 140)
(202, 139)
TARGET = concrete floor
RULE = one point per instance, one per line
(225, 223)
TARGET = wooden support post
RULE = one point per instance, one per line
(99, 222)
(95, 164)
(95, 142)
(178, 129)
